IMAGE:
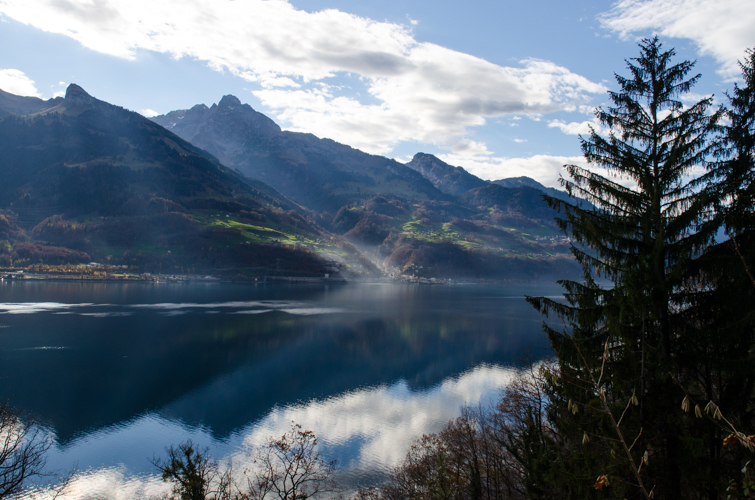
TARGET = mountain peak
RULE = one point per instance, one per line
(75, 92)
(447, 178)
(229, 100)
(421, 155)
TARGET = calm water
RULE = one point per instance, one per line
(120, 371)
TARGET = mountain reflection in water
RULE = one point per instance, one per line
(119, 371)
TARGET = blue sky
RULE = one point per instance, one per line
(501, 88)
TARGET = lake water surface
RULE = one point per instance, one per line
(120, 371)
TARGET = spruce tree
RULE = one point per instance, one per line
(737, 173)
(721, 320)
(624, 323)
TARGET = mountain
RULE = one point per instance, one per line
(24, 105)
(424, 215)
(524, 200)
(82, 179)
(456, 181)
(81, 155)
(515, 182)
(78, 174)
(321, 174)
(449, 180)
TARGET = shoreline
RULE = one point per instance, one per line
(21, 275)
(266, 280)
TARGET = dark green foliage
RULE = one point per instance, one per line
(724, 371)
(736, 175)
(647, 241)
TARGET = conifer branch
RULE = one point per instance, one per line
(607, 409)
(742, 257)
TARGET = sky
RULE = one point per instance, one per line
(501, 88)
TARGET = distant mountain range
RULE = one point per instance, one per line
(425, 214)
(223, 187)
(319, 173)
(83, 179)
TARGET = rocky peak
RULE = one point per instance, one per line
(424, 156)
(222, 129)
(430, 166)
(447, 178)
(229, 100)
(76, 93)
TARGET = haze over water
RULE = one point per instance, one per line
(120, 371)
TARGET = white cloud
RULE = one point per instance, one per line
(61, 92)
(576, 128)
(722, 29)
(692, 98)
(543, 168)
(470, 147)
(149, 113)
(16, 82)
(435, 100)
(418, 91)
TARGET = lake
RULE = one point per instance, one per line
(119, 371)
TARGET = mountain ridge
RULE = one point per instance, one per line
(448, 179)
(424, 213)
(82, 175)
(84, 178)
(23, 105)
(301, 166)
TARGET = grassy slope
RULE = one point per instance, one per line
(454, 240)
(94, 181)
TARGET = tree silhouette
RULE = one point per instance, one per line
(650, 220)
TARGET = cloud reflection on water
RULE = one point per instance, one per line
(367, 430)
(36, 307)
(298, 308)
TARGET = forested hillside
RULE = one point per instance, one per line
(85, 180)
(425, 219)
